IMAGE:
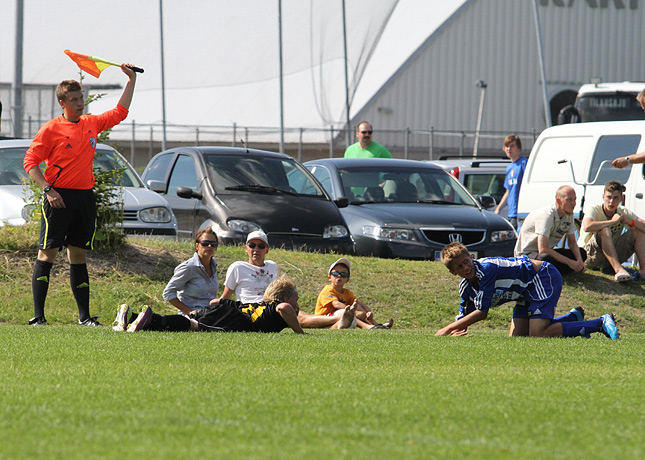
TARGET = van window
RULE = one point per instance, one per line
(609, 148)
(183, 175)
(547, 167)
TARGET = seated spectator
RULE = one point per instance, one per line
(611, 233)
(249, 280)
(544, 228)
(335, 298)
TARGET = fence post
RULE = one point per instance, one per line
(197, 136)
(331, 142)
(132, 145)
(407, 143)
(151, 143)
(234, 133)
(431, 143)
(246, 138)
(300, 146)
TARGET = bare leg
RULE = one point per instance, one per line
(316, 321)
(542, 327)
(519, 327)
(609, 250)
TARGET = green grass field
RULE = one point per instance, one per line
(70, 392)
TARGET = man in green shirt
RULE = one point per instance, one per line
(365, 147)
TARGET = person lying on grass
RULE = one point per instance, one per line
(334, 298)
(277, 311)
(534, 284)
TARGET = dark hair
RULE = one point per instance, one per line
(209, 230)
(614, 186)
(358, 126)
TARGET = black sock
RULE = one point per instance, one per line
(40, 285)
(172, 323)
(80, 282)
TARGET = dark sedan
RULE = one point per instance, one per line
(236, 191)
(410, 209)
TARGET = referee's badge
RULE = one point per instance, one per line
(93, 142)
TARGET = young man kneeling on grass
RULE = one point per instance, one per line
(534, 284)
(277, 311)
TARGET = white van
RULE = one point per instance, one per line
(580, 155)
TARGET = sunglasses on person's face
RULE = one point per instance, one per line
(366, 132)
(341, 274)
(259, 245)
(206, 243)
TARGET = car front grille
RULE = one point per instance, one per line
(130, 215)
(444, 236)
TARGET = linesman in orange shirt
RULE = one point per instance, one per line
(67, 144)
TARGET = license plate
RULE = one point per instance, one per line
(437, 255)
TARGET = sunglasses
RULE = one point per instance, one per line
(366, 132)
(341, 274)
(259, 245)
(209, 243)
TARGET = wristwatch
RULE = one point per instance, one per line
(627, 160)
(47, 189)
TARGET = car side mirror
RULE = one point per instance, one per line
(187, 192)
(487, 201)
(342, 202)
(157, 186)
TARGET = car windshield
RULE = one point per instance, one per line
(110, 160)
(241, 173)
(11, 170)
(402, 185)
(609, 107)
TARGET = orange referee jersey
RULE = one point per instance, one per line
(67, 148)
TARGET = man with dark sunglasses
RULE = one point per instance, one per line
(249, 280)
(366, 147)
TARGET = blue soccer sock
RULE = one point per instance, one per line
(581, 328)
(565, 318)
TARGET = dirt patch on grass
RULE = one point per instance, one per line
(131, 258)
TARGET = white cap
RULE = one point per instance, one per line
(343, 261)
(258, 235)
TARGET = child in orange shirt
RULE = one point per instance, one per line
(334, 298)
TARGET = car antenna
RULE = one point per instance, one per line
(245, 146)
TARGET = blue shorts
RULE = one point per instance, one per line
(542, 294)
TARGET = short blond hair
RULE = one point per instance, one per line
(281, 289)
(451, 252)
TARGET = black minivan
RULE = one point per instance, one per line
(237, 191)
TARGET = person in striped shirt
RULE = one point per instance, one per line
(534, 285)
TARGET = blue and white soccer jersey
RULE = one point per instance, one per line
(501, 280)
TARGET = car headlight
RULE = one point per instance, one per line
(390, 233)
(157, 215)
(335, 231)
(502, 235)
(243, 226)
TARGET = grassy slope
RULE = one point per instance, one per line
(418, 294)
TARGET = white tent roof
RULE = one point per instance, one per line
(221, 58)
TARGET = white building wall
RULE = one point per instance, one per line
(495, 41)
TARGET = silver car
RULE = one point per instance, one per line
(144, 211)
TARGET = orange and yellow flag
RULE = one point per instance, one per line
(90, 64)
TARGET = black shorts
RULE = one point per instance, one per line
(230, 316)
(73, 225)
